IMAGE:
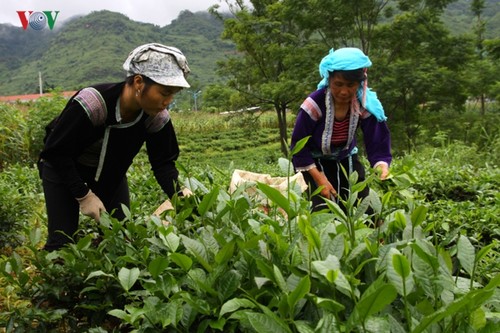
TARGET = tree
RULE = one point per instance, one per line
(492, 47)
(419, 67)
(217, 96)
(481, 66)
(275, 64)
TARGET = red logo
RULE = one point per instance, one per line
(37, 20)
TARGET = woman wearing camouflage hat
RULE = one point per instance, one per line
(92, 143)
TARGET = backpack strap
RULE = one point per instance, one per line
(156, 123)
(94, 105)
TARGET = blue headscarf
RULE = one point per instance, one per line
(351, 58)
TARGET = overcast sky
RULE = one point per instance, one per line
(159, 12)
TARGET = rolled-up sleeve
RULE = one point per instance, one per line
(377, 139)
(304, 126)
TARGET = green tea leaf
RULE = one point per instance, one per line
(264, 323)
(399, 272)
(299, 292)
(173, 313)
(217, 324)
(418, 215)
(97, 274)
(182, 260)
(127, 213)
(373, 301)
(329, 304)
(285, 165)
(171, 240)
(275, 196)
(484, 251)
(266, 269)
(157, 266)
(198, 250)
(337, 211)
(466, 254)
(478, 319)
(300, 145)
(422, 253)
(120, 314)
(375, 201)
(279, 279)
(228, 284)
(386, 198)
(361, 209)
(401, 265)
(128, 277)
(84, 243)
(312, 237)
(208, 201)
(135, 313)
(260, 281)
(400, 220)
(323, 267)
(225, 254)
(235, 304)
(303, 326)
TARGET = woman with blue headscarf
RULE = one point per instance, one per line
(331, 116)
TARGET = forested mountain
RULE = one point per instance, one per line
(460, 19)
(91, 48)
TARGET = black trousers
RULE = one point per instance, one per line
(334, 173)
(63, 210)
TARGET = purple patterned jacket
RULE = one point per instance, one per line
(311, 121)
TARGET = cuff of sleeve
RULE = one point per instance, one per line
(305, 168)
(380, 163)
(79, 199)
(79, 190)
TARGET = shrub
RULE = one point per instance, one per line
(224, 262)
(21, 203)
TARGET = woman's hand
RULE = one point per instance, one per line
(320, 179)
(383, 170)
(91, 205)
(328, 191)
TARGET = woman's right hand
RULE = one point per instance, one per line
(91, 205)
(327, 191)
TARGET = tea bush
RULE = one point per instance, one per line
(224, 262)
(23, 128)
(21, 203)
(233, 263)
(41, 112)
(14, 141)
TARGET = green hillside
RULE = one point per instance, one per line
(460, 19)
(91, 48)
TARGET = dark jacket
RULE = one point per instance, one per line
(78, 141)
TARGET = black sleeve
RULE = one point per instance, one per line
(163, 151)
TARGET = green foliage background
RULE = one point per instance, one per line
(223, 264)
(229, 261)
(91, 48)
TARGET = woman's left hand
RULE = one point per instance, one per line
(383, 170)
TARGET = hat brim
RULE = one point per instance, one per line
(171, 81)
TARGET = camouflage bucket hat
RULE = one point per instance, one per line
(163, 64)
